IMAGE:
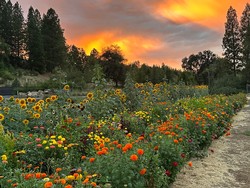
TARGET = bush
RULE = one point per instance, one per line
(228, 84)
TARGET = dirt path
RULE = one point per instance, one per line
(228, 162)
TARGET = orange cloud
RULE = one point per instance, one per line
(208, 13)
(134, 47)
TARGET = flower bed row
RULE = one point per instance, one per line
(103, 140)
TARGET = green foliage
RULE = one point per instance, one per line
(228, 84)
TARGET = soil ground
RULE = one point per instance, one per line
(228, 162)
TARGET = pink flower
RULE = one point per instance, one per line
(52, 146)
(38, 139)
(39, 145)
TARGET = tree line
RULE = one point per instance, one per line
(38, 44)
(232, 71)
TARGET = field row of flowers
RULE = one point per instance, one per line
(140, 136)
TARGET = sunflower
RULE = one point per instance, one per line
(1, 117)
(53, 97)
(29, 99)
(90, 95)
(36, 115)
(66, 88)
(118, 91)
(48, 100)
(22, 102)
(25, 122)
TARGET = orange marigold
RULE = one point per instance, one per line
(134, 157)
(48, 184)
(190, 163)
(93, 184)
(143, 171)
(92, 159)
(68, 186)
(140, 151)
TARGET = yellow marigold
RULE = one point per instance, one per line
(70, 177)
(4, 158)
(1, 117)
(26, 122)
(66, 88)
(90, 95)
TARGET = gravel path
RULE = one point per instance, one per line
(228, 162)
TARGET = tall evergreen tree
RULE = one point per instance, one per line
(77, 57)
(2, 7)
(231, 41)
(34, 41)
(18, 31)
(6, 24)
(245, 38)
(55, 50)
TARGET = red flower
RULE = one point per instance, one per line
(175, 164)
(168, 173)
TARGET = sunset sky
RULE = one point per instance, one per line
(150, 31)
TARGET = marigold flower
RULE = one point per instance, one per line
(175, 164)
(4, 157)
(83, 157)
(156, 148)
(68, 186)
(14, 184)
(176, 141)
(190, 163)
(58, 169)
(93, 184)
(133, 157)
(62, 181)
(48, 184)
(38, 175)
(140, 151)
(119, 146)
(92, 159)
(85, 181)
(143, 171)
(1, 98)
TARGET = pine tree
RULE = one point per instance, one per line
(245, 38)
(55, 50)
(18, 31)
(231, 41)
(2, 7)
(6, 24)
(34, 41)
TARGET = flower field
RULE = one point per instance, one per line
(139, 136)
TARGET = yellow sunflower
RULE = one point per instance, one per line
(1, 117)
(66, 88)
(90, 95)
